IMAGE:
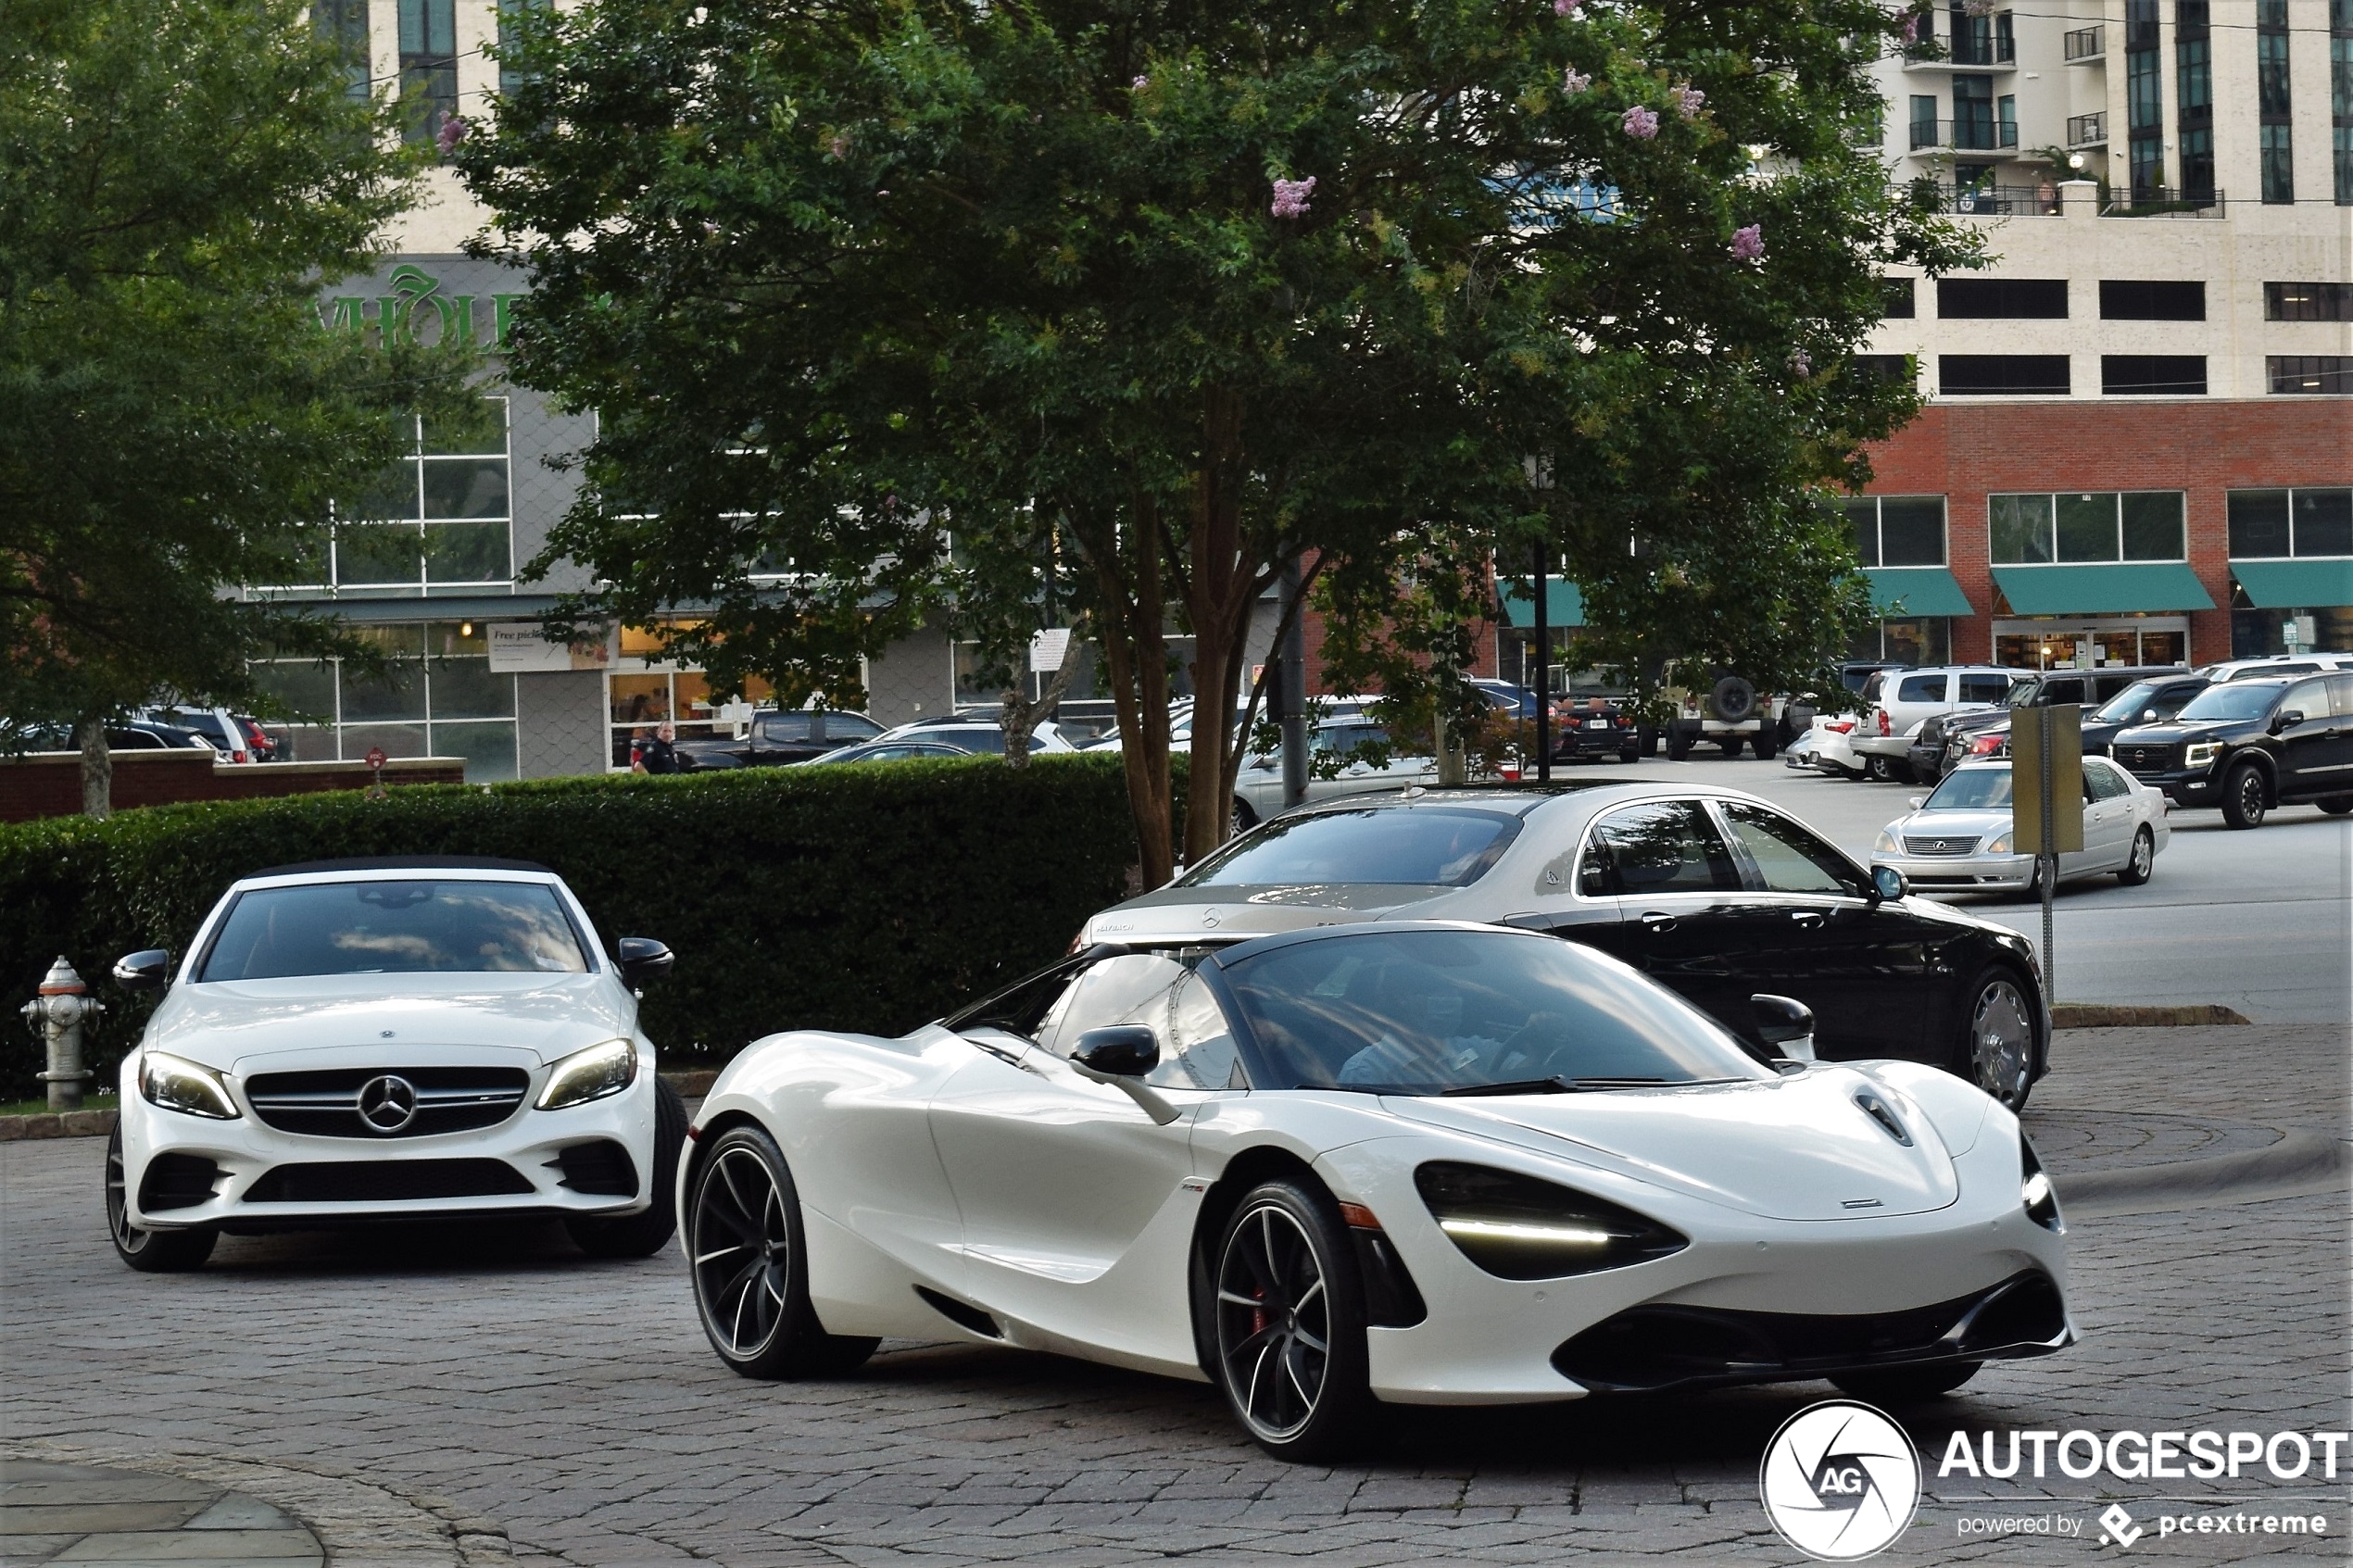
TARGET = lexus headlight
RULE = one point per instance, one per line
(2200, 753)
(1521, 1227)
(1885, 843)
(590, 1074)
(2035, 1191)
(179, 1085)
(1999, 844)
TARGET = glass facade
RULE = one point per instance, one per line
(437, 522)
(428, 67)
(509, 13)
(2279, 525)
(2341, 97)
(645, 691)
(2133, 525)
(433, 696)
(1897, 530)
(2194, 96)
(2143, 98)
(2277, 142)
(2092, 641)
(343, 25)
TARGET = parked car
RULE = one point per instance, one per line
(775, 738)
(1732, 714)
(127, 734)
(1948, 740)
(1258, 783)
(888, 751)
(2250, 745)
(2277, 664)
(404, 1039)
(1960, 837)
(1595, 727)
(1827, 745)
(1906, 701)
(977, 736)
(2144, 701)
(1714, 893)
(1799, 714)
(1330, 1169)
(237, 738)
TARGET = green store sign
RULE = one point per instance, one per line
(415, 311)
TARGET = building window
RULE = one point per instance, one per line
(2272, 101)
(2132, 299)
(1897, 530)
(2330, 374)
(510, 14)
(2143, 98)
(1897, 298)
(436, 521)
(2341, 96)
(2276, 524)
(1917, 640)
(343, 24)
(2152, 375)
(644, 690)
(2194, 98)
(2002, 375)
(1887, 368)
(2307, 302)
(1923, 120)
(435, 696)
(2136, 525)
(428, 67)
(1986, 299)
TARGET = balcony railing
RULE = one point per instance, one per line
(1984, 49)
(2087, 130)
(1999, 201)
(1964, 135)
(2161, 201)
(2086, 43)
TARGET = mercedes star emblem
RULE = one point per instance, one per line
(387, 1104)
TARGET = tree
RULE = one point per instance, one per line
(1193, 289)
(178, 178)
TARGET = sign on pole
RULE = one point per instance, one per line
(1048, 648)
(2047, 807)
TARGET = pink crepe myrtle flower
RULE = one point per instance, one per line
(839, 147)
(1912, 27)
(1574, 81)
(1290, 196)
(1569, 8)
(1641, 124)
(1800, 364)
(453, 131)
(1688, 101)
(1140, 82)
(1748, 243)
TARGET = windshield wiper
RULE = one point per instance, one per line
(1553, 1086)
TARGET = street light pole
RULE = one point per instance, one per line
(1543, 645)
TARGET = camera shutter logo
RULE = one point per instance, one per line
(1839, 1481)
(387, 1104)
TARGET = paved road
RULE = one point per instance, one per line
(2261, 920)
(573, 1404)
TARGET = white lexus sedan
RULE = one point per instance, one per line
(372, 1040)
(1958, 839)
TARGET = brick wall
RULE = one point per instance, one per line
(2205, 447)
(49, 783)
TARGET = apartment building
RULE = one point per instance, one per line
(2138, 443)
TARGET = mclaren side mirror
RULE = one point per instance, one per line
(1122, 1050)
(1888, 882)
(149, 969)
(642, 959)
(1785, 1023)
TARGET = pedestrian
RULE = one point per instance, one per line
(656, 755)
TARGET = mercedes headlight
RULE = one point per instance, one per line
(179, 1085)
(590, 1074)
(1522, 1228)
(2200, 753)
(2035, 1191)
(1999, 844)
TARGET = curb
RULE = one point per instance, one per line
(2299, 1165)
(2106, 1015)
(691, 1085)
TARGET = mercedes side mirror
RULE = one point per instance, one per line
(1888, 882)
(643, 960)
(1785, 1023)
(1120, 1050)
(149, 969)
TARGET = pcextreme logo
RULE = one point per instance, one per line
(1839, 1481)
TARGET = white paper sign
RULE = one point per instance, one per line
(1048, 648)
(517, 649)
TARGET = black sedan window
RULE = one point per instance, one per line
(1429, 847)
(1669, 847)
(394, 928)
(1790, 859)
(1425, 1012)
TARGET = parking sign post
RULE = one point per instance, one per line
(2047, 807)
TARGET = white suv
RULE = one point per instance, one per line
(1909, 697)
(2277, 664)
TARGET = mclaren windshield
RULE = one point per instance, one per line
(1468, 1012)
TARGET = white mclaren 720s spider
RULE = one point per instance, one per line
(1343, 1166)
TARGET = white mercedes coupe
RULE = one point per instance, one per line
(1414, 1164)
(403, 1039)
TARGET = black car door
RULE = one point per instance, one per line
(1680, 898)
(1816, 932)
(2312, 747)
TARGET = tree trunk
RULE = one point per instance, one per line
(1019, 716)
(1218, 597)
(1136, 664)
(98, 770)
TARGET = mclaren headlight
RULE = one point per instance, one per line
(1523, 1227)
(2200, 753)
(590, 1074)
(179, 1085)
(2035, 1191)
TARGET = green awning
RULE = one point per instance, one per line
(2296, 584)
(1563, 605)
(2110, 589)
(1917, 590)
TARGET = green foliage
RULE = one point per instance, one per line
(177, 178)
(861, 897)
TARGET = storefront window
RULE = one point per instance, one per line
(2256, 632)
(2090, 643)
(1897, 530)
(1916, 640)
(2134, 525)
(2279, 523)
(644, 689)
(433, 696)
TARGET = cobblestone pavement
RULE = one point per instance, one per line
(499, 1375)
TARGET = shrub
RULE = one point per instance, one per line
(860, 897)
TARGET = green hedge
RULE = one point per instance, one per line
(869, 899)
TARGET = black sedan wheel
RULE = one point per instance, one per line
(1997, 1039)
(2243, 798)
(150, 1252)
(1289, 1336)
(751, 1265)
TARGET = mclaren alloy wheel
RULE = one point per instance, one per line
(751, 1266)
(1290, 1338)
(1999, 1044)
(153, 1252)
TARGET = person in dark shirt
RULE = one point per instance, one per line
(655, 754)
